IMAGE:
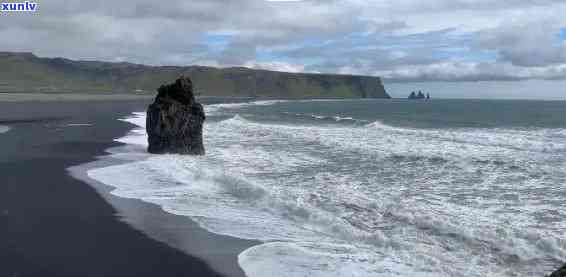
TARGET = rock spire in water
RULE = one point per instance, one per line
(175, 120)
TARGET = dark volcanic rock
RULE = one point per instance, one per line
(175, 119)
(561, 272)
(419, 95)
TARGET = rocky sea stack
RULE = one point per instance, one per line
(561, 272)
(175, 120)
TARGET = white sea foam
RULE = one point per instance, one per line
(372, 200)
(4, 129)
(332, 118)
(218, 109)
(78, 125)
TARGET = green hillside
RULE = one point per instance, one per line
(25, 72)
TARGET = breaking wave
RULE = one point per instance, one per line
(4, 129)
(364, 200)
(219, 109)
(335, 118)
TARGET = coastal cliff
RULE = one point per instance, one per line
(25, 72)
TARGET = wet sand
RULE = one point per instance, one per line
(52, 223)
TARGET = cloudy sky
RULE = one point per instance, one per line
(407, 42)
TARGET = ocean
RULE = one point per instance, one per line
(369, 187)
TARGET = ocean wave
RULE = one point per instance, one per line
(371, 200)
(4, 129)
(380, 125)
(219, 109)
(78, 125)
(481, 233)
(335, 118)
(538, 140)
(216, 109)
(322, 259)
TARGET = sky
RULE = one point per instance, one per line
(454, 48)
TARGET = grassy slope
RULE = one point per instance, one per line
(26, 72)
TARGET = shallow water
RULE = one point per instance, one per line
(370, 187)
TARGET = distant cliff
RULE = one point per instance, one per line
(25, 72)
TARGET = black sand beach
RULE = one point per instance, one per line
(52, 224)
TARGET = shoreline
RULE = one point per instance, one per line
(166, 227)
(53, 224)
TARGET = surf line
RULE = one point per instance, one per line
(78, 124)
(4, 129)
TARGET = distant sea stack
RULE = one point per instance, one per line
(175, 120)
(418, 96)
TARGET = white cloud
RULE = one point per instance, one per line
(402, 40)
(276, 66)
(527, 44)
(473, 71)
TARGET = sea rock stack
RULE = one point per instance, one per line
(561, 272)
(418, 96)
(175, 119)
